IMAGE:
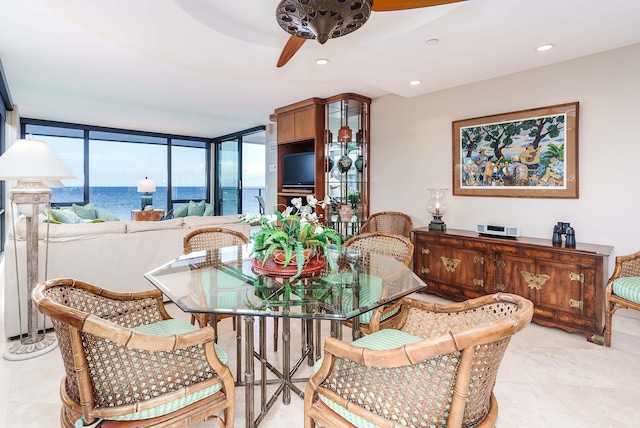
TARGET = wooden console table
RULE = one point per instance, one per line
(566, 285)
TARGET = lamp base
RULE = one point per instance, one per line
(146, 200)
(25, 348)
(437, 225)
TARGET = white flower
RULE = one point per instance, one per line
(319, 230)
(296, 202)
(287, 211)
(312, 201)
(326, 201)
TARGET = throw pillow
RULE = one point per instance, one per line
(49, 216)
(181, 211)
(196, 208)
(87, 212)
(67, 216)
(208, 211)
(106, 215)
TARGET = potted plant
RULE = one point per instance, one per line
(353, 197)
(294, 235)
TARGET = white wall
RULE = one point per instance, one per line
(271, 180)
(411, 145)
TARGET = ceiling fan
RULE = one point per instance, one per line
(327, 19)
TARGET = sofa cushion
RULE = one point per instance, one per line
(87, 212)
(196, 208)
(208, 210)
(145, 226)
(212, 221)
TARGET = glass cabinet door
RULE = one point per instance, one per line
(346, 163)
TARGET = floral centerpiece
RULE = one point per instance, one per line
(295, 231)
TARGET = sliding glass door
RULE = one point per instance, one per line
(240, 172)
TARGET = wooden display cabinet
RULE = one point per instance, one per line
(313, 125)
(566, 285)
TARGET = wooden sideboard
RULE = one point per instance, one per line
(566, 285)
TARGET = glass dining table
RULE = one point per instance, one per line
(228, 281)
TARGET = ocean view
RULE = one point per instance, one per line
(121, 200)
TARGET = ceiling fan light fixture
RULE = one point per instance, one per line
(415, 82)
(322, 19)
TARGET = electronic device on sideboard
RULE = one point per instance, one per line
(497, 231)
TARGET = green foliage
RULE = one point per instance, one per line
(293, 230)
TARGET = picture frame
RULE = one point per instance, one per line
(525, 154)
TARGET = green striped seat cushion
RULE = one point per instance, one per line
(165, 328)
(628, 288)
(379, 341)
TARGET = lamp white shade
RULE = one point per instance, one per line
(146, 185)
(32, 160)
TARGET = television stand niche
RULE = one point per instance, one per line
(566, 285)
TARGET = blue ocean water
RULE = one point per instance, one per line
(121, 200)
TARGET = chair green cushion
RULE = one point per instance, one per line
(164, 328)
(380, 341)
(369, 293)
(628, 288)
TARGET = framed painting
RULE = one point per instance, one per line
(525, 154)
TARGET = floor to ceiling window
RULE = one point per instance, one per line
(240, 171)
(108, 164)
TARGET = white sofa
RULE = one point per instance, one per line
(113, 255)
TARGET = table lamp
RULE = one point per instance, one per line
(437, 206)
(146, 186)
(31, 162)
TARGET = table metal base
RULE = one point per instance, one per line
(285, 378)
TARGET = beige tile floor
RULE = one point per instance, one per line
(548, 378)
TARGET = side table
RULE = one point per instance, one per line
(150, 215)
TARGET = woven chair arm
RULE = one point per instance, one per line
(147, 342)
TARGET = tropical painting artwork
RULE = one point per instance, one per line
(532, 153)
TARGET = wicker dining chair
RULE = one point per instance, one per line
(389, 222)
(128, 363)
(211, 238)
(438, 369)
(622, 291)
(401, 248)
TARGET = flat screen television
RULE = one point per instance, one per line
(299, 170)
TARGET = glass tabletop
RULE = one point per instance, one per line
(224, 281)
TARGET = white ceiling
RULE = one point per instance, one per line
(207, 67)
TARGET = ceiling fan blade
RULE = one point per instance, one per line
(391, 5)
(293, 44)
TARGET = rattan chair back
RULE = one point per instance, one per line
(389, 222)
(210, 238)
(626, 266)
(445, 377)
(113, 370)
(389, 244)
(398, 246)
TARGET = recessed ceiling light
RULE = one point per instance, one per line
(432, 41)
(322, 61)
(544, 48)
(415, 82)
